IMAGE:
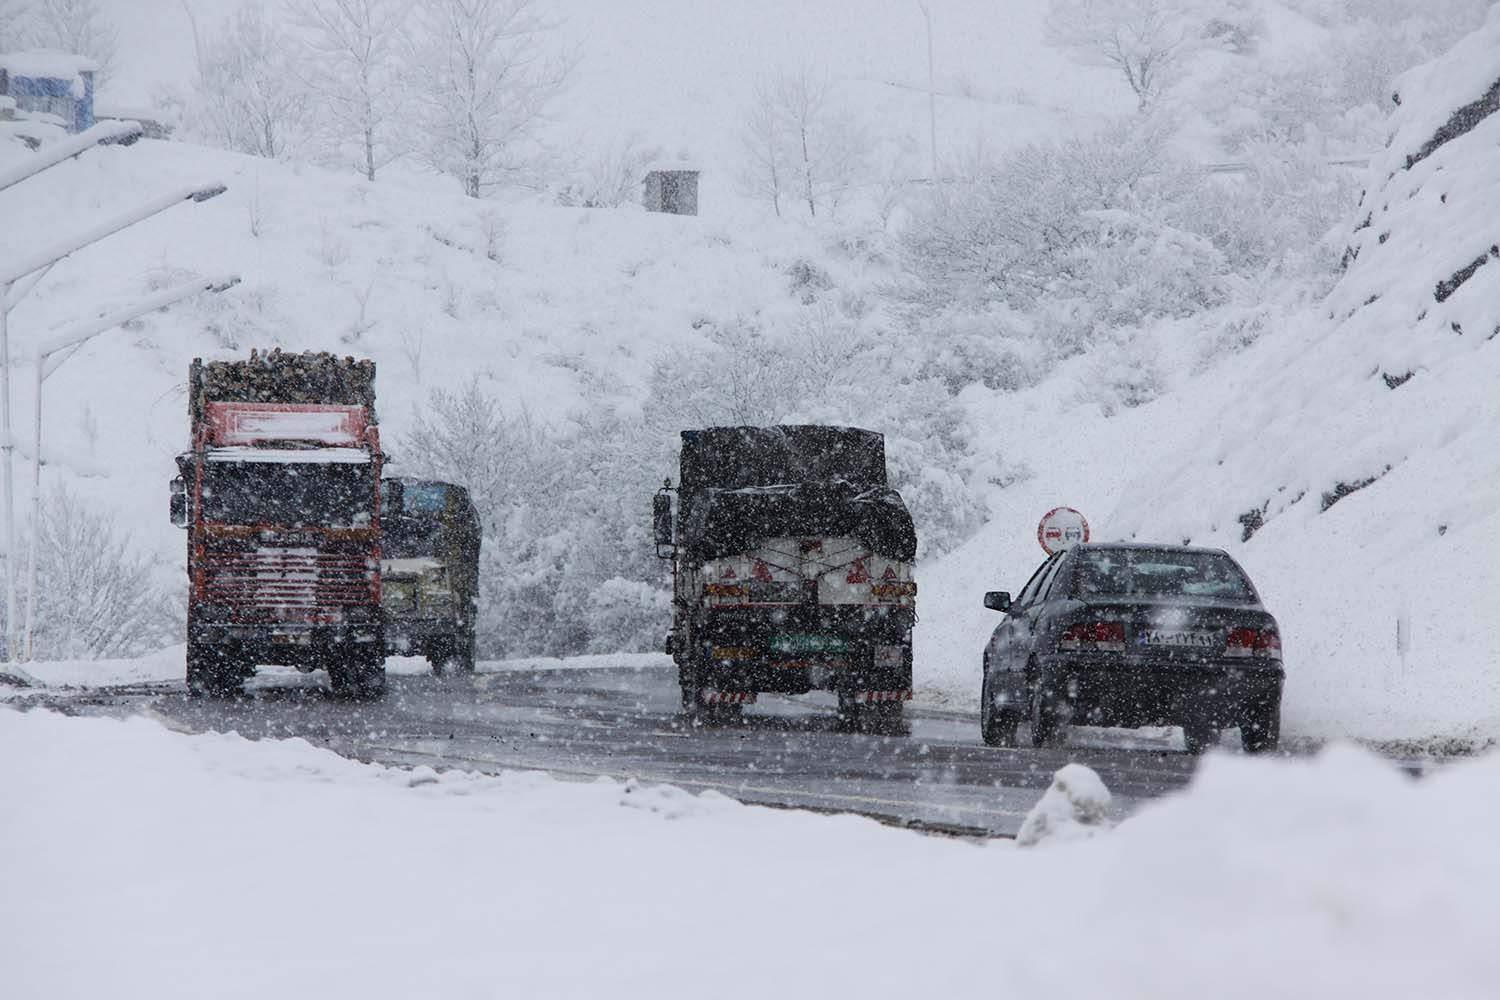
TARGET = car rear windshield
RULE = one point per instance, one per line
(1160, 573)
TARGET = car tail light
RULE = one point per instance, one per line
(1108, 637)
(1257, 642)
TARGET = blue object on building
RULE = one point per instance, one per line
(53, 83)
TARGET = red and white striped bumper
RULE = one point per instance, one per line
(728, 697)
(878, 696)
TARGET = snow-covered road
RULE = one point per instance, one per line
(623, 722)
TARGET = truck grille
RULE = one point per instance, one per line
(299, 578)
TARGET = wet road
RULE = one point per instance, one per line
(624, 723)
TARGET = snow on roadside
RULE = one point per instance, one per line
(166, 666)
(144, 863)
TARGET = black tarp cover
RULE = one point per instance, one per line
(743, 485)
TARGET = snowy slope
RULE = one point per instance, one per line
(574, 305)
(142, 863)
(1386, 591)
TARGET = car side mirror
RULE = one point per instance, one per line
(661, 523)
(179, 503)
(997, 600)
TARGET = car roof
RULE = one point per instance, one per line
(1147, 546)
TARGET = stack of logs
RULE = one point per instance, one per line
(278, 377)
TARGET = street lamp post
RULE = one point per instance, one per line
(10, 275)
(931, 89)
(70, 340)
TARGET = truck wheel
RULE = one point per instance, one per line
(358, 677)
(212, 673)
(998, 729)
(1199, 737)
(1261, 729)
(450, 658)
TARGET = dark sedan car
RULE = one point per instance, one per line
(1134, 635)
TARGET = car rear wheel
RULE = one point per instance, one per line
(1199, 737)
(997, 728)
(1260, 732)
(1046, 720)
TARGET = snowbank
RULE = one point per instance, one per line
(141, 863)
(166, 666)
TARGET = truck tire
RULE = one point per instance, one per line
(997, 729)
(212, 672)
(451, 657)
(1260, 732)
(357, 676)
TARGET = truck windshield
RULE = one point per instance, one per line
(1160, 573)
(407, 537)
(292, 495)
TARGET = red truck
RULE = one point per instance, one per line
(280, 493)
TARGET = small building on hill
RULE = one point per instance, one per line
(672, 188)
(51, 85)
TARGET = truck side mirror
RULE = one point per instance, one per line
(661, 523)
(997, 600)
(179, 503)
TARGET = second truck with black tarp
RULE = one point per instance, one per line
(792, 571)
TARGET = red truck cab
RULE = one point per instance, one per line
(280, 494)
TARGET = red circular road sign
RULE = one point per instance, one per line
(1061, 528)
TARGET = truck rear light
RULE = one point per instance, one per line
(1108, 637)
(1263, 643)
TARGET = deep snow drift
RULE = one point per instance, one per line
(142, 863)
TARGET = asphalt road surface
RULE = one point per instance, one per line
(625, 723)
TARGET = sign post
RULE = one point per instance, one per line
(1061, 528)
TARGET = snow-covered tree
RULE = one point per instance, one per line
(95, 596)
(799, 145)
(81, 27)
(484, 74)
(349, 61)
(1149, 42)
(12, 24)
(247, 95)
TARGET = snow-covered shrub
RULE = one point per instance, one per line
(1074, 807)
(1057, 244)
(95, 596)
(566, 564)
(611, 179)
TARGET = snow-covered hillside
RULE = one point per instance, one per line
(1347, 457)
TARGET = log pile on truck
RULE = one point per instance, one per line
(792, 571)
(280, 493)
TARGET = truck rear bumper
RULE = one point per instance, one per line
(414, 638)
(864, 668)
(293, 645)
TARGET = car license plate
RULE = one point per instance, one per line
(1177, 638)
(290, 640)
(808, 644)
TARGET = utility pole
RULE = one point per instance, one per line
(11, 274)
(69, 341)
(931, 89)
